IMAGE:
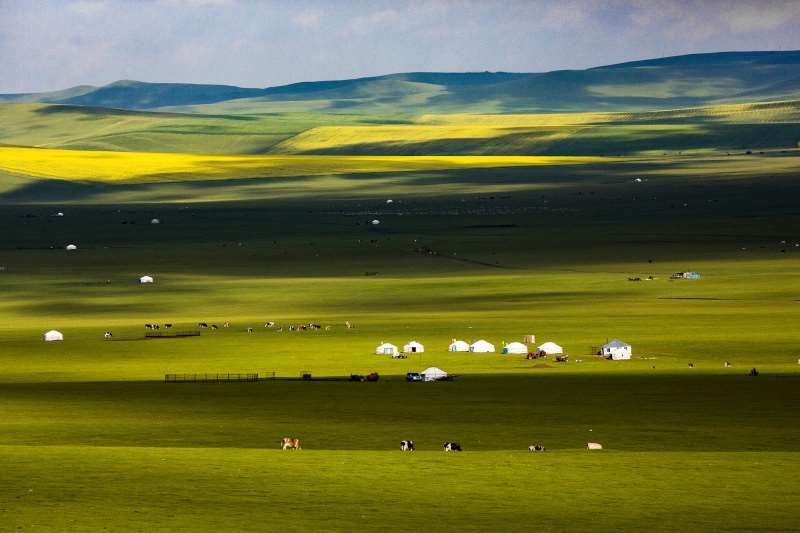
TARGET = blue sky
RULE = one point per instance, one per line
(46, 45)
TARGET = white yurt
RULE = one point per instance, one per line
(375, 222)
(155, 221)
(387, 348)
(146, 279)
(53, 335)
(433, 374)
(458, 346)
(413, 347)
(515, 348)
(617, 350)
(550, 348)
(481, 346)
(71, 247)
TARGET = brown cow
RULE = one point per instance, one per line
(288, 443)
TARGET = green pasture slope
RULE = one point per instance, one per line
(91, 438)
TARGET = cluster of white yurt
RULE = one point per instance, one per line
(550, 348)
(53, 335)
(387, 348)
(146, 279)
(434, 374)
(515, 348)
(413, 347)
(458, 346)
(617, 350)
(481, 346)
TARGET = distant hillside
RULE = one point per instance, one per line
(721, 128)
(680, 81)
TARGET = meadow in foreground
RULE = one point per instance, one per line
(91, 437)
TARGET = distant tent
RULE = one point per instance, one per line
(458, 346)
(515, 348)
(387, 349)
(413, 347)
(481, 346)
(60, 214)
(146, 279)
(433, 374)
(53, 335)
(375, 222)
(550, 348)
(617, 350)
(71, 247)
(155, 221)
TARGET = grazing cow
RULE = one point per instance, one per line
(291, 328)
(269, 324)
(214, 326)
(562, 358)
(594, 446)
(407, 445)
(148, 326)
(288, 443)
(202, 325)
(452, 447)
(327, 328)
(226, 325)
(348, 324)
(535, 448)
(155, 326)
(727, 364)
(167, 326)
(280, 329)
(107, 335)
(249, 330)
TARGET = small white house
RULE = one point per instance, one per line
(433, 374)
(515, 348)
(617, 350)
(146, 279)
(413, 347)
(481, 346)
(550, 348)
(71, 247)
(53, 335)
(387, 349)
(458, 346)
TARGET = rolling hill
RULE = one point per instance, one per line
(679, 81)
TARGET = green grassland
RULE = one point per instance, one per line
(266, 202)
(709, 129)
(92, 436)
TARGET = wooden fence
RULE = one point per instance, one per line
(170, 334)
(208, 378)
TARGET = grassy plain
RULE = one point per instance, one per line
(91, 436)
(471, 247)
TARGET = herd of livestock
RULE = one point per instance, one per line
(292, 443)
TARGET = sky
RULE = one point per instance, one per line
(50, 45)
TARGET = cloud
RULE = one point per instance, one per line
(364, 24)
(763, 16)
(198, 3)
(308, 19)
(88, 7)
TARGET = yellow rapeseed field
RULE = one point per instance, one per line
(86, 165)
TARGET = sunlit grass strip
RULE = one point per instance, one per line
(140, 166)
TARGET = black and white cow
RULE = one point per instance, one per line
(535, 448)
(452, 447)
(407, 445)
